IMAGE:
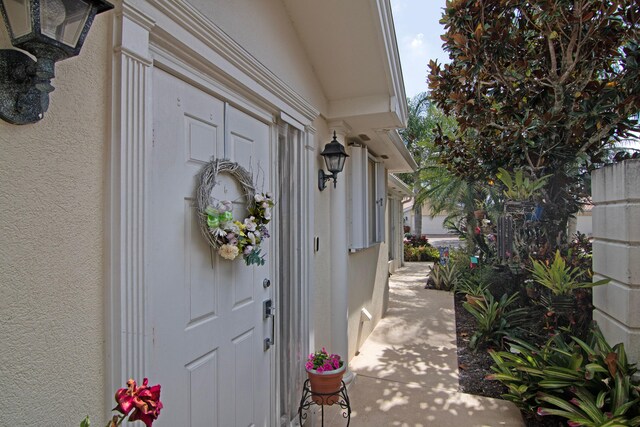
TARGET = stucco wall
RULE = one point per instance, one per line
(616, 251)
(51, 256)
(366, 289)
(259, 26)
(321, 287)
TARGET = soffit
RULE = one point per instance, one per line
(352, 48)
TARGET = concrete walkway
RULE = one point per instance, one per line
(407, 370)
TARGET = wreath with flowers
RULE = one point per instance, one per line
(228, 236)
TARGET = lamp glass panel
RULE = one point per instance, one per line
(63, 20)
(335, 162)
(19, 14)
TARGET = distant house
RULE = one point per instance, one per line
(431, 226)
(105, 275)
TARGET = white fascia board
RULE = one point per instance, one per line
(394, 70)
(398, 143)
(399, 187)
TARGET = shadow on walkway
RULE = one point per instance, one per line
(407, 371)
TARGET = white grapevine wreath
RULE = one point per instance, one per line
(228, 236)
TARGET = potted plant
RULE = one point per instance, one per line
(325, 373)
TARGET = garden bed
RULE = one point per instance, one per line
(474, 366)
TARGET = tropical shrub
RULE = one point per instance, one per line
(471, 287)
(560, 278)
(444, 277)
(519, 186)
(421, 253)
(495, 319)
(588, 382)
(416, 241)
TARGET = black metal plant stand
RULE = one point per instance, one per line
(307, 401)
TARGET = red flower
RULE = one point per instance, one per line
(144, 401)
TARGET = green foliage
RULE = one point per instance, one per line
(542, 87)
(471, 287)
(520, 187)
(444, 277)
(495, 319)
(559, 278)
(423, 121)
(85, 422)
(588, 382)
(573, 86)
(421, 253)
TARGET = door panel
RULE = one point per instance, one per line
(206, 312)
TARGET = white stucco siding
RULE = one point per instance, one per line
(51, 255)
(368, 279)
(264, 29)
(321, 288)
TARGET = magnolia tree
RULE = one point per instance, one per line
(539, 86)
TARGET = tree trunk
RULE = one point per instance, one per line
(417, 219)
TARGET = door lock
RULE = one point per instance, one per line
(269, 310)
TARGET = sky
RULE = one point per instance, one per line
(418, 32)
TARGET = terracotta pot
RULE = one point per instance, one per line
(327, 384)
(479, 214)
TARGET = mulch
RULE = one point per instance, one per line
(474, 366)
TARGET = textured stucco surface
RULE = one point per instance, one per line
(51, 255)
(368, 280)
(259, 26)
(616, 216)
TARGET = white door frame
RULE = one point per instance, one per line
(174, 36)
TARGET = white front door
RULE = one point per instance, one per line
(206, 313)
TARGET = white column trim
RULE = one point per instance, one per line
(128, 335)
(340, 263)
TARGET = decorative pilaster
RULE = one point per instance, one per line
(131, 137)
(339, 261)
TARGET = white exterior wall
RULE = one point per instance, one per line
(52, 256)
(368, 280)
(430, 226)
(53, 193)
(264, 29)
(616, 253)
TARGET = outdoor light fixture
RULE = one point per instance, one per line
(334, 156)
(51, 30)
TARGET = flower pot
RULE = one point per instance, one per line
(479, 214)
(326, 385)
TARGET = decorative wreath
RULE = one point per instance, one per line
(228, 236)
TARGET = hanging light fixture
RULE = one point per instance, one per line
(51, 30)
(334, 157)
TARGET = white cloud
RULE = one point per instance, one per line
(415, 46)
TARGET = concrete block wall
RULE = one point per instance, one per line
(616, 253)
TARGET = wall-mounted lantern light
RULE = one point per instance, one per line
(51, 30)
(334, 156)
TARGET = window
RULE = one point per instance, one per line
(367, 184)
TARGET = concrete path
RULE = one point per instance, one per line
(407, 370)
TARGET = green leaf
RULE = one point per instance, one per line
(562, 373)
(560, 403)
(85, 422)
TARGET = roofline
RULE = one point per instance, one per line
(393, 59)
(401, 186)
(398, 143)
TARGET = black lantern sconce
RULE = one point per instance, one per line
(51, 30)
(334, 156)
